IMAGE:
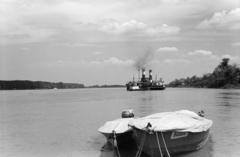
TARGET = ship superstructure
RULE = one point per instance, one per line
(145, 83)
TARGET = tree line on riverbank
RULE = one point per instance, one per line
(106, 86)
(25, 84)
(224, 75)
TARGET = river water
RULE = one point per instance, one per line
(64, 123)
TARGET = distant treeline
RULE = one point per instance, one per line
(25, 84)
(106, 86)
(223, 76)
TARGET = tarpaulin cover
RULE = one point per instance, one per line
(119, 125)
(182, 121)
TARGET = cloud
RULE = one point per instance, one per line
(223, 20)
(155, 62)
(63, 63)
(27, 22)
(236, 44)
(108, 62)
(116, 61)
(233, 59)
(177, 61)
(75, 44)
(200, 53)
(167, 49)
(17, 36)
(208, 57)
(137, 28)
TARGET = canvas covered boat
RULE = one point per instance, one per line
(168, 133)
(118, 129)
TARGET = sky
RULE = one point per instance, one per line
(98, 42)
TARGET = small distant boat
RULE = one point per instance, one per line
(133, 87)
(117, 131)
(169, 133)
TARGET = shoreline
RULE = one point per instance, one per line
(228, 86)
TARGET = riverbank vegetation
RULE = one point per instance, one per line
(224, 75)
(106, 86)
(25, 84)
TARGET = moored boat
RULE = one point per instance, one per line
(117, 131)
(169, 133)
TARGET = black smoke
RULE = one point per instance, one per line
(142, 62)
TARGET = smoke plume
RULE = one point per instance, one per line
(143, 60)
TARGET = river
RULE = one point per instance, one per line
(64, 123)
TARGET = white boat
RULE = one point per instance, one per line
(134, 88)
(118, 130)
(170, 132)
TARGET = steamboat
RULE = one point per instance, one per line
(145, 83)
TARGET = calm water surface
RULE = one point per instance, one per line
(64, 123)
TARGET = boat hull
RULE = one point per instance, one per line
(123, 139)
(187, 141)
(146, 88)
(157, 88)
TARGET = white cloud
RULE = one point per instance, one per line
(155, 62)
(167, 49)
(111, 61)
(236, 44)
(116, 61)
(75, 44)
(223, 20)
(176, 61)
(200, 53)
(137, 28)
(233, 59)
(63, 63)
(23, 22)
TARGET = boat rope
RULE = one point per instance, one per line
(141, 145)
(159, 145)
(115, 142)
(165, 145)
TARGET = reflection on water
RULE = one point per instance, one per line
(231, 98)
